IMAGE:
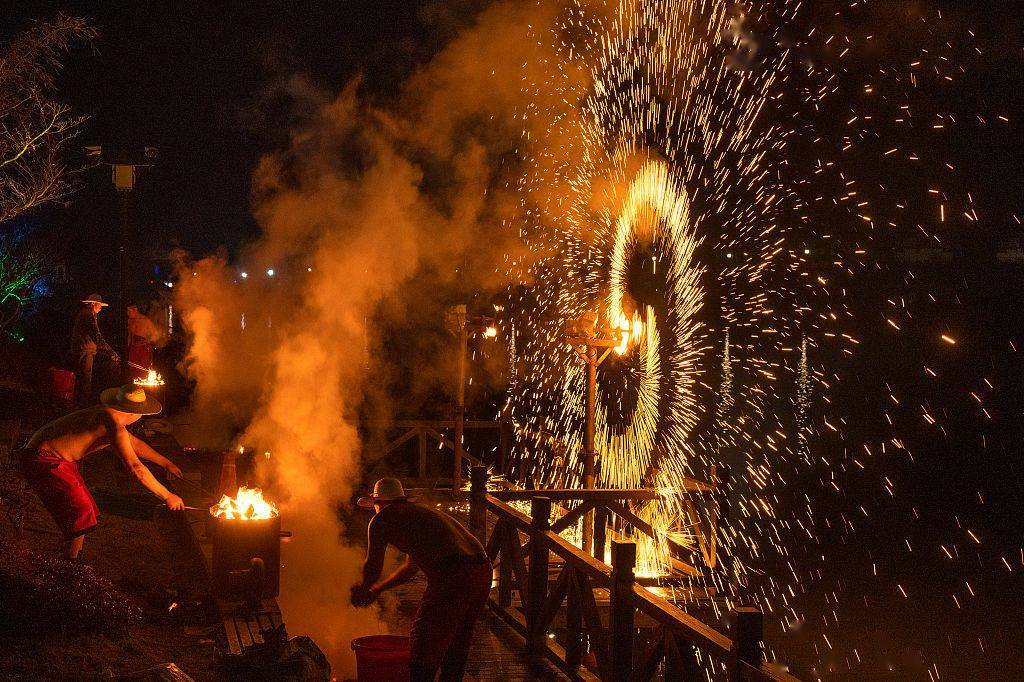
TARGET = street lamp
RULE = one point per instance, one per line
(124, 163)
(463, 325)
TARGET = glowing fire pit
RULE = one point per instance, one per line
(152, 380)
(245, 528)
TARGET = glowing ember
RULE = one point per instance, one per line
(247, 504)
(152, 379)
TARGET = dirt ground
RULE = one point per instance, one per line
(150, 562)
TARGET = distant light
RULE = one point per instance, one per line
(807, 252)
(491, 332)
(169, 285)
(270, 272)
(245, 275)
(309, 269)
(728, 255)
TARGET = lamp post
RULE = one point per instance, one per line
(123, 163)
(463, 325)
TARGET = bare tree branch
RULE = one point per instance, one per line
(35, 128)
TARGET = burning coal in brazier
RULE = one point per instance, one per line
(246, 535)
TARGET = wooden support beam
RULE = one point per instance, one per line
(538, 576)
(478, 502)
(591, 495)
(422, 461)
(748, 631)
(600, 532)
(623, 609)
(398, 442)
(571, 517)
(573, 624)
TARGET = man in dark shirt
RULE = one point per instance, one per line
(458, 577)
(86, 342)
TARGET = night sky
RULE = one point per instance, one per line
(201, 82)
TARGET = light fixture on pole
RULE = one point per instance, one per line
(124, 163)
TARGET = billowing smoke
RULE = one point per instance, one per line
(369, 210)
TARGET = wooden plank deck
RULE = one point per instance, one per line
(497, 650)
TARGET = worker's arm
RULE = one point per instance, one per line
(376, 545)
(97, 336)
(144, 451)
(402, 574)
(122, 441)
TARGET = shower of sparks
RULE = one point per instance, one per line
(701, 195)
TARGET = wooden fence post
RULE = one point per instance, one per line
(478, 503)
(600, 532)
(504, 444)
(748, 631)
(721, 476)
(540, 511)
(623, 611)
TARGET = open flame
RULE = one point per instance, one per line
(628, 332)
(248, 504)
(152, 379)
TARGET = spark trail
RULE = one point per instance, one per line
(678, 187)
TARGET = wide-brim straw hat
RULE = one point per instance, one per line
(131, 399)
(95, 298)
(384, 490)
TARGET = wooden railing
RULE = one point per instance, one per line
(683, 645)
(432, 431)
(704, 505)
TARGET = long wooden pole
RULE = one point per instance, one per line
(460, 400)
(589, 452)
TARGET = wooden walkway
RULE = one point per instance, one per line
(497, 652)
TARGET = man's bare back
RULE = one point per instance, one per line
(50, 460)
(78, 434)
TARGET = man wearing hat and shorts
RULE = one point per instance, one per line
(50, 460)
(86, 342)
(458, 577)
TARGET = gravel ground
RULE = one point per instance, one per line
(149, 561)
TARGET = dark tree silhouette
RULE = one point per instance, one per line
(35, 127)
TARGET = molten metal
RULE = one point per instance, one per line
(248, 504)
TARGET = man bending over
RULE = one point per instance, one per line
(458, 577)
(50, 460)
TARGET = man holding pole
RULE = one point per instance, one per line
(50, 460)
(86, 342)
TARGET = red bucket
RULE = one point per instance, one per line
(382, 658)
(62, 383)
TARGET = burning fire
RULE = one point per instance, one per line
(628, 331)
(247, 504)
(152, 379)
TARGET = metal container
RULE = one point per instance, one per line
(236, 542)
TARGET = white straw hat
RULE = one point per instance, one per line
(384, 490)
(131, 399)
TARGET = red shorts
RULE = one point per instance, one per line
(443, 628)
(62, 490)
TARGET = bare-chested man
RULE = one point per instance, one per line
(458, 577)
(50, 460)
